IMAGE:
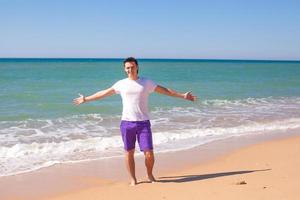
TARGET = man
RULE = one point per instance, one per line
(135, 123)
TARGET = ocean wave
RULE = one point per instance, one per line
(34, 143)
(26, 157)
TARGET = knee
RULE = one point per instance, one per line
(149, 154)
(129, 153)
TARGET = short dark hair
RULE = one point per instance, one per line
(130, 59)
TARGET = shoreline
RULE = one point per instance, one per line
(262, 171)
(76, 177)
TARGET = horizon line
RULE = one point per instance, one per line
(152, 58)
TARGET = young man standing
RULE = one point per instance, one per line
(135, 123)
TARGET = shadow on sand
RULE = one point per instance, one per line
(190, 178)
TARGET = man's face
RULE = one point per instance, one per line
(131, 68)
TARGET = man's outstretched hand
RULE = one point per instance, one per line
(189, 96)
(79, 100)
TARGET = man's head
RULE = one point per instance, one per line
(131, 67)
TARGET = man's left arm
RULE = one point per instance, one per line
(166, 91)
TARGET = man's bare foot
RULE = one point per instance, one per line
(133, 182)
(151, 178)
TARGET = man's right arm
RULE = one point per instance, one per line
(99, 95)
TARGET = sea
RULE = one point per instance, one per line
(41, 127)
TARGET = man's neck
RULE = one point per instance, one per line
(133, 78)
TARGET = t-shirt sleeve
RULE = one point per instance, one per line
(117, 87)
(151, 85)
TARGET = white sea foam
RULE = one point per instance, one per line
(24, 157)
(35, 143)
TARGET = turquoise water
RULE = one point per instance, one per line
(39, 125)
(44, 88)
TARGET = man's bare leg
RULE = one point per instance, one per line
(130, 164)
(149, 162)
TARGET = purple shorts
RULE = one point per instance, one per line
(140, 130)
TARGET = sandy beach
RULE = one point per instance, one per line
(264, 171)
(267, 170)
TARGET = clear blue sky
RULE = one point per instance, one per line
(241, 29)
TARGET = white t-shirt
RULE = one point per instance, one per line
(134, 95)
